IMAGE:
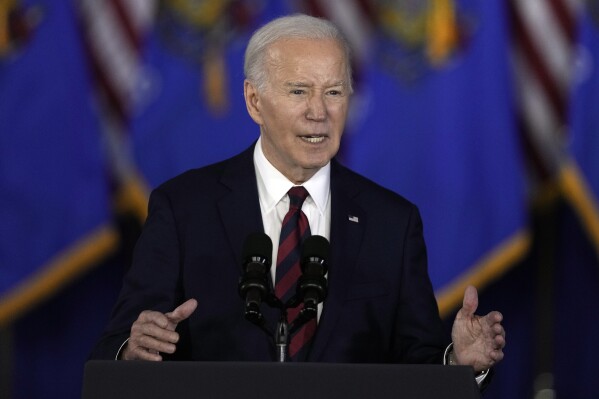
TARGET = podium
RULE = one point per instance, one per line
(249, 380)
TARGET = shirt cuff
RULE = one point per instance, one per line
(448, 360)
(118, 353)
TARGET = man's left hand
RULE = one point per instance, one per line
(478, 341)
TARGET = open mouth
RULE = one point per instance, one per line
(313, 139)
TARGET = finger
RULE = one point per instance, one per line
(153, 345)
(154, 331)
(142, 354)
(470, 302)
(138, 353)
(494, 317)
(182, 312)
(499, 342)
(153, 317)
(148, 336)
(496, 356)
(498, 329)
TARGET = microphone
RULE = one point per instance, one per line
(253, 284)
(312, 285)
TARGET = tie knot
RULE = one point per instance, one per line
(297, 195)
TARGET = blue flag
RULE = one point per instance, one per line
(580, 174)
(53, 193)
(439, 129)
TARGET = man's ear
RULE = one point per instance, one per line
(252, 101)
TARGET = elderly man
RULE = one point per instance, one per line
(180, 299)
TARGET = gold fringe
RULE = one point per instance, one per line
(215, 84)
(488, 269)
(65, 267)
(5, 7)
(575, 190)
(132, 197)
(442, 32)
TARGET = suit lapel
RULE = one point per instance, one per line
(240, 208)
(348, 222)
(240, 212)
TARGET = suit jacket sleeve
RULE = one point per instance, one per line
(152, 283)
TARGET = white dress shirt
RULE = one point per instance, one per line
(274, 202)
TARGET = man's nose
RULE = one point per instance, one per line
(317, 109)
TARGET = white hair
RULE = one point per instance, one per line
(297, 26)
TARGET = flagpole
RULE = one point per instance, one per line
(545, 223)
(6, 362)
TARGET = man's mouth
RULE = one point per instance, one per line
(313, 139)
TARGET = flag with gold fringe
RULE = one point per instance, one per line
(54, 201)
(434, 122)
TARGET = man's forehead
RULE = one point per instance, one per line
(293, 53)
(297, 62)
(297, 44)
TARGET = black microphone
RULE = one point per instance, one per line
(312, 285)
(253, 284)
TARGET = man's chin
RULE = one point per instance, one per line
(315, 164)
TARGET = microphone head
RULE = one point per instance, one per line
(315, 247)
(312, 285)
(257, 245)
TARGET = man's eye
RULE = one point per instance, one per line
(335, 92)
(297, 91)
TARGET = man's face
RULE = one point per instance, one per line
(302, 109)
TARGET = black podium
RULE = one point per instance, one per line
(246, 380)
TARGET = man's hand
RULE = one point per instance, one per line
(154, 332)
(478, 341)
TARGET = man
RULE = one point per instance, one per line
(180, 299)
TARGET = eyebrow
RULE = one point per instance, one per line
(297, 84)
(303, 84)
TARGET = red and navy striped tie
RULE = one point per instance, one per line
(294, 230)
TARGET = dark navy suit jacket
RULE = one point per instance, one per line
(380, 307)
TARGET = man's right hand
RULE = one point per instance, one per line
(154, 332)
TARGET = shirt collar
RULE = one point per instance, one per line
(318, 185)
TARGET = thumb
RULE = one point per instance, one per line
(470, 302)
(182, 311)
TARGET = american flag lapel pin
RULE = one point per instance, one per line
(353, 218)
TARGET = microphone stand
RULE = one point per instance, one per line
(311, 290)
(282, 337)
(284, 330)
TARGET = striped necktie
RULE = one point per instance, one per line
(294, 230)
